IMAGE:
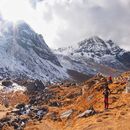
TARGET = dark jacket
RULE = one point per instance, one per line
(106, 92)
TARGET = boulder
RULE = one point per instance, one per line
(66, 114)
(55, 104)
(35, 86)
(87, 113)
(7, 127)
(7, 83)
(54, 116)
(19, 106)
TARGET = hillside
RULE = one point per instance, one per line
(64, 107)
(94, 55)
(24, 54)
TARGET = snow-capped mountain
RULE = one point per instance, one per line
(94, 55)
(125, 59)
(25, 53)
(95, 46)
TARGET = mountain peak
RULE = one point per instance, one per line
(93, 44)
(96, 39)
(24, 52)
(92, 40)
(98, 46)
(22, 23)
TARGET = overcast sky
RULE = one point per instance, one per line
(66, 22)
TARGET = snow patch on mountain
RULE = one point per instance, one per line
(92, 52)
(25, 53)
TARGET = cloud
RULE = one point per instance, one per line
(70, 21)
(34, 3)
(66, 22)
(1, 17)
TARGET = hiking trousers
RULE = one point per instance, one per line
(106, 104)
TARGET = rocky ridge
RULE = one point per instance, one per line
(24, 54)
(69, 106)
(97, 52)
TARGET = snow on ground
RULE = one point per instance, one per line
(24, 52)
(13, 88)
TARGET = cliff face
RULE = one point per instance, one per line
(94, 55)
(24, 53)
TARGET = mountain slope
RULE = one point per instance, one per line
(70, 107)
(24, 53)
(96, 55)
(124, 58)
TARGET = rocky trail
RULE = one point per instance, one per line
(70, 106)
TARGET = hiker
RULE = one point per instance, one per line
(110, 80)
(106, 93)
